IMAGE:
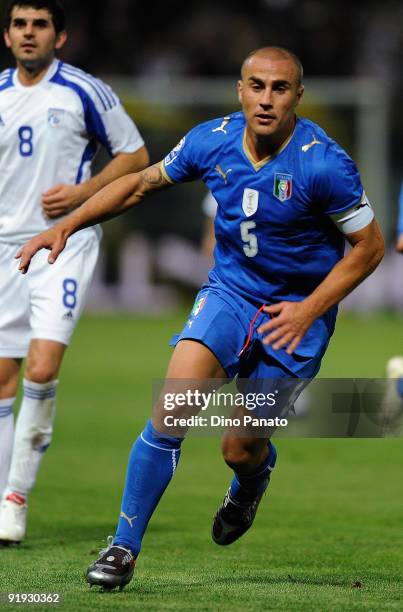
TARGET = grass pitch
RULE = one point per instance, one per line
(327, 537)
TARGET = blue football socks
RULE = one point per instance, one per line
(152, 463)
(245, 489)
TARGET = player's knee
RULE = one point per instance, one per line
(40, 373)
(239, 456)
(8, 381)
(8, 388)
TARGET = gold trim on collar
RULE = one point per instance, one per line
(257, 165)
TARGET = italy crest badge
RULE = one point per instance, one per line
(282, 186)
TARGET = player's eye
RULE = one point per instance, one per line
(19, 23)
(280, 87)
(41, 23)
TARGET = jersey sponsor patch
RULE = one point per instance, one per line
(282, 188)
(250, 201)
(55, 116)
(174, 153)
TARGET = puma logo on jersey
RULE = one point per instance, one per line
(221, 128)
(222, 173)
(364, 202)
(361, 205)
(128, 519)
(306, 147)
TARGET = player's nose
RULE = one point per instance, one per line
(28, 30)
(266, 99)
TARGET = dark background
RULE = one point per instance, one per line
(166, 40)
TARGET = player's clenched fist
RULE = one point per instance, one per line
(53, 239)
(63, 199)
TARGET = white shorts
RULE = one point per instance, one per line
(45, 303)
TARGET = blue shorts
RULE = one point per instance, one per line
(221, 320)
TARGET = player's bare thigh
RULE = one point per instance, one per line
(9, 374)
(44, 360)
(191, 361)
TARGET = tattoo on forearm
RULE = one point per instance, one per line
(153, 176)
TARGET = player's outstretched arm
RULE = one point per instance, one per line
(399, 244)
(109, 202)
(291, 320)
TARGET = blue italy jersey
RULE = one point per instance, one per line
(275, 237)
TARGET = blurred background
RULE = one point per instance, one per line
(176, 64)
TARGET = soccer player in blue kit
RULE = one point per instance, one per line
(288, 197)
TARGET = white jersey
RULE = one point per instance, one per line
(49, 134)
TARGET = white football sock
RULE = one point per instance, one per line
(33, 433)
(6, 439)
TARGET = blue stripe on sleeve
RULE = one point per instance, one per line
(88, 156)
(107, 99)
(70, 73)
(6, 79)
(93, 120)
(106, 91)
(112, 97)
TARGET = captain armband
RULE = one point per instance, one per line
(355, 218)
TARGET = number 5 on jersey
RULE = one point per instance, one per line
(250, 246)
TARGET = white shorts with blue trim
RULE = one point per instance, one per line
(45, 303)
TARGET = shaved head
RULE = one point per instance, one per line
(269, 91)
(275, 53)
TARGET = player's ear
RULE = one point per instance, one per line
(300, 93)
(239, 87)
(7, 38)
(61, 39)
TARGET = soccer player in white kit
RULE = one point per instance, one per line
(53, 117)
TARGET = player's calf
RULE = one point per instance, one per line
(238, 510)
(32, 437)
